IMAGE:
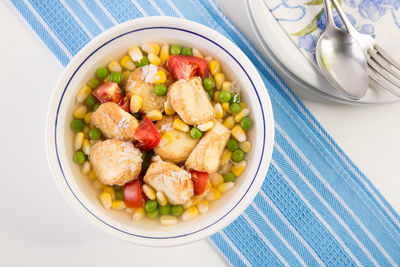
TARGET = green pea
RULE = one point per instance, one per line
(119, 195)
(208, 84)
(176, 210)
(175, 50)
(150, 205)
(143, 62)
(232, 145)
(165, 210)
(102, 73)
(152, 214)
(229, 177)
(186, 51)
(79, 157)
(195, 133)
(160, 89)
(94, 134)
(90, 101)
(237, 155)
(235, 98)
(115, 77)
(77, 125)
(96, 106)
(246, 123)
(235, 108)
(93, 83)
(210, 93)
(224, 96)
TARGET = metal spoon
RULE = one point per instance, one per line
(341, 59)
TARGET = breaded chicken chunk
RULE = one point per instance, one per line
(115, 162)
(190, 101)
(114, 122)
(168, 178)
(206, 155)
(139, 83)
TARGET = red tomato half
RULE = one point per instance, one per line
(146, 135)
(108, 92)
(125, 103)
(185, 67)
(133, 194)
(200, 181)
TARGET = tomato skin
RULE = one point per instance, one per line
(133, 194)
(200, 181)
(185, 67)
(108, 92)
(146, 135)
(125, 104)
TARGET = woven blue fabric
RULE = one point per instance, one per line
(315, 206)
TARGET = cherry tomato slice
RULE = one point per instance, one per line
(146, 135)
(200, 181)
(125, 104)
(133, 194)
(185, 67)
(107, 92)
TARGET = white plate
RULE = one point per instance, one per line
(288, 59)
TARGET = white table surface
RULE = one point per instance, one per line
(37, 225)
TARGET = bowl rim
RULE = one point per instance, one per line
(172, 24)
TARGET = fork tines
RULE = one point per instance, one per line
(383, 69)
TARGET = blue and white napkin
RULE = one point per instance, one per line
(315, 206)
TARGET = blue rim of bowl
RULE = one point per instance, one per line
(83, 62)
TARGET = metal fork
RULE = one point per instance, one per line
(382, 68)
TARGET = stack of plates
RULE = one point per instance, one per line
(298, 72)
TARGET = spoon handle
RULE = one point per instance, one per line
(330, 23)
(347, 23)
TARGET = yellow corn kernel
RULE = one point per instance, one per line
(245, 146)
(162, 77)
(202, 206)
(154, 115)
(237, 169)
(135, 53)
(161, 198)
(83, 93)
(229, 122)
(219, 79)
(226, 107)
(114, 66)
(118, 204)
(215, 67)
(213, 194)
(219, 112)
(86, 167)
(188, 204)
(127, 63)
(196, 53)
(216, 96)
(136, 103)
(225, 186)
(138, 214)
(226, 85)
(105, 199)
(149, 192)
(93, 176)
(151, 48)
(164, 53)
(180, 125)
(169, 110)
(238, 133)
(87, 117)
(111, 191)
(125, 75)
(243, 105)
(204, 127)
(78, 140)
(168, 220)
(166, 139)
(153, 59)
(86, 147)
(225, 157)
(243, 113)
(80, 112)
(190, 213)
(86, 130)
(196, 199)
(216, 179)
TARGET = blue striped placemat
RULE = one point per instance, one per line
(315, 206)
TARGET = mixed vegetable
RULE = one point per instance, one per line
(161, 132)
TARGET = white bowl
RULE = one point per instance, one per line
(114, 43)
